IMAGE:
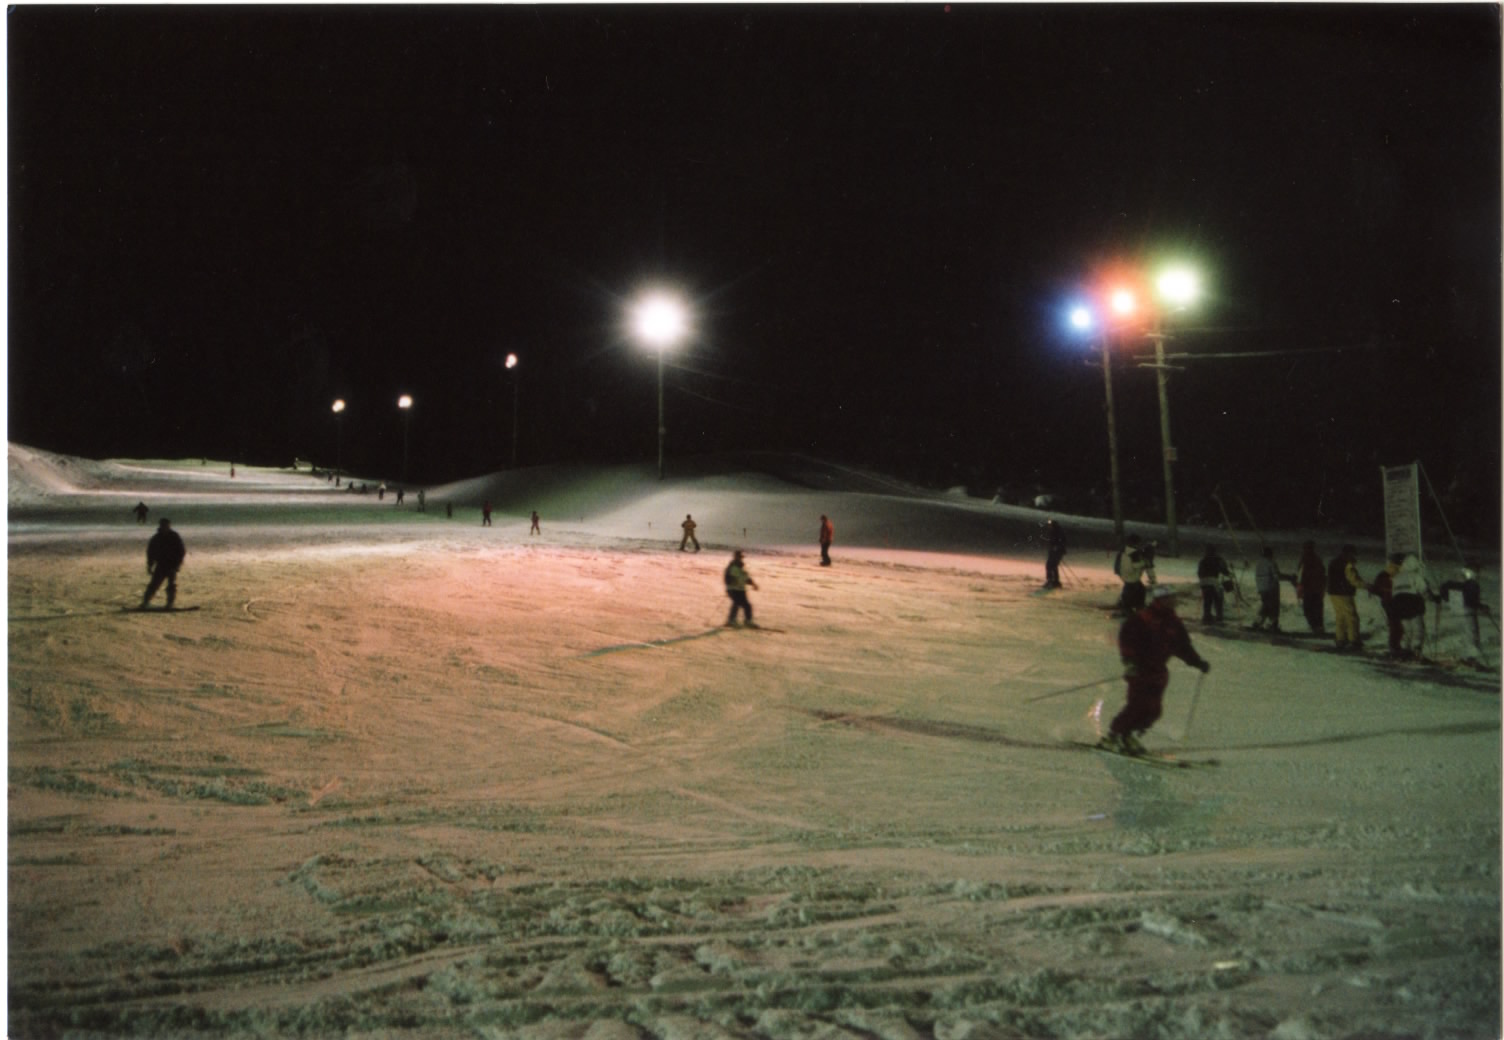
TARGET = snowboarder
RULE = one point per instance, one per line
(1342, 585)
(827, 535)
(1472, 606)
(1310, 587)
(534, 529)
(1134, 563)
(1266, 578)
(485, 513)
(689, 534)
(1054, 538)
(140, 512)
(737, 583)
(164, 555)
(1212, 573)
(1146, 642)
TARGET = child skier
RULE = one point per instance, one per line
(737, 581)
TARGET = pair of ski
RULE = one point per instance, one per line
(1154, 759)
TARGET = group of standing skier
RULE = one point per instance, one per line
(1404, 588)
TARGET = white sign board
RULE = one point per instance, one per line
(1402, 510)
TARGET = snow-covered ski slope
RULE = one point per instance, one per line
(404, 775)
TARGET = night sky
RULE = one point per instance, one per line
(223, 218)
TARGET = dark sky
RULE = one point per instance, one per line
(223, 218)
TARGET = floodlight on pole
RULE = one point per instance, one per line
(659, 321)
(1179, 286)
(339, 434)
(405, 404)
(516, 383)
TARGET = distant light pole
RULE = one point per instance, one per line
(1123, 304)
(660, 321)
(339, 435)
(516, 382)
(405, 403)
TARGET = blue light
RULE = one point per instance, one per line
(1081, 318)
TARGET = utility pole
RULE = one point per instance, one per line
(662, 429)
(1167, 450)
(1112, 439)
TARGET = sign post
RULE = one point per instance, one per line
(1402, 510)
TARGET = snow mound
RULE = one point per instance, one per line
(36, 475)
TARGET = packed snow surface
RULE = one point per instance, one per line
(401, 774)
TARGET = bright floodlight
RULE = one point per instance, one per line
(339, 406)
(660, 320)
(1081, 318)
(511, 360)
(1123, 302)
(1179, 285)
(404, 401)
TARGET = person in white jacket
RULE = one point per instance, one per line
(1412, 589)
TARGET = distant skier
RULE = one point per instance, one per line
(485, 513)
(534, 529)
(827, 535)
(1212, 572)
(399, 496)
(1134, 563)
(1054, 540)
(1146, 642)
(737, 583)
(1266, 578)
(689, 534)
(1472, 606)
(164, 555)
(422, 501)
(1310, 587)
(1342, 584)
(140, 512)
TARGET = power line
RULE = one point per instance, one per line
(1263, 353)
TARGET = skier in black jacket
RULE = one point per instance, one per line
(1054, 537)
(164, 555)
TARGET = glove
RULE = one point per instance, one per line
(1130, 670)
(1204, 665)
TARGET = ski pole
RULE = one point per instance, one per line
(1072, 689)
(1190, 715)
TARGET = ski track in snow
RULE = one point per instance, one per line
(403, 775)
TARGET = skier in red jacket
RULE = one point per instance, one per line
(1146, 642)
